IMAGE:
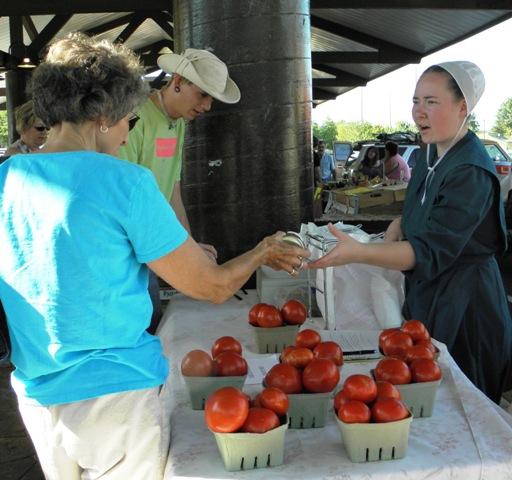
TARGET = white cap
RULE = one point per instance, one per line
(203, 69)
(469, 78)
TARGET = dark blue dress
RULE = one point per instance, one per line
(455, 288)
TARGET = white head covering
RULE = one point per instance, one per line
(203, 69)
(471, 82)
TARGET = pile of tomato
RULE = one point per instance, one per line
(230, 410)
(293, 312)
(309, 366)
(364, 400)
(409, 354)
(225, 361)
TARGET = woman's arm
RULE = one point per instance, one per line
(190, 271)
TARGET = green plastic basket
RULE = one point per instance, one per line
(247, 451)
(371, 442)
(419, 397)
(274, 340)
(308, 410)
(200, 388)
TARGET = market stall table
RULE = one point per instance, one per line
(468, 437)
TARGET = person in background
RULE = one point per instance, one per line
(316, 161)
(395, 166)
(371, 166)
(31, 129)
(90, 380)
(327, 166)
(450, 231)
(197, 78)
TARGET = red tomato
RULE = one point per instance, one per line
(197, 363)
(385, 333)
(320, 376)
(294, 312)
(339, 399)
(393, 370)
(387, 390)
(226, 410)
(428, 344)
(425, 370)
(285, 377)
(416, 330)
(275, 400)
(354, 411)
(360, 387)
(260, 420)
(226, 344)
(298, 357)
(396, 344)
(330, 350)
(286, 350)
(307, 338)
(229, 364)
(253, 312)
(388, 410)
(269, 317)
(418, 351)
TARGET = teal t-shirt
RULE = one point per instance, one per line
(76, 234)
(156, 142)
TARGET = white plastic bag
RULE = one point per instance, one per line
(359, 297)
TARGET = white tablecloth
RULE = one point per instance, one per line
(468, 437)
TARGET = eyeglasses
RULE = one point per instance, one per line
(132, 121)
(41, 128)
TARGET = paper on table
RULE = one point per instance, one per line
(356, 344)
(258, 368)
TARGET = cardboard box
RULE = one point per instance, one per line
(398, 192)
(364, 197)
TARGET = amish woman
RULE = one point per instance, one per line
(451, 229)
(77, 237)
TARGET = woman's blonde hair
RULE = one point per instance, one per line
(24, 117)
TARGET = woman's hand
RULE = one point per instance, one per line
(280, 255)
(347, 250)
(394, 231)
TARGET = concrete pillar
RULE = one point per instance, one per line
(248, 169)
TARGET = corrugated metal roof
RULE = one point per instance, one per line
(405, 34)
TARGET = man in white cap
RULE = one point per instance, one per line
(451, 229)
(156, 141)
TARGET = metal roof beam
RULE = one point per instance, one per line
(52, 7)
(364, 57)
(131, 27)
(105, 27)
(319, 94)
(163, 21)
(339, 82)
(30, 28)
(414, 4)
(48, 32)
(359, 37)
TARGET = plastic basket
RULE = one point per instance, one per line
(419, 397)
(274, 340)
(371, 442)
(200, 388)
(247, 451)
(308, 410)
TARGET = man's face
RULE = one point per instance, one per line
(321, 147)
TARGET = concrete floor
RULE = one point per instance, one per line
(17, 456)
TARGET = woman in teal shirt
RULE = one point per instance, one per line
(451, 229)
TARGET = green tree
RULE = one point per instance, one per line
(473, 123)
(403, 126)
(4, 136)
(327, 131)
(503, 125)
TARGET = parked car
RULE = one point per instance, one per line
(503, 164)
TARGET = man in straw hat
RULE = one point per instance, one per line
(156, 142)
(450, 231)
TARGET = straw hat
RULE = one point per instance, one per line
(469, 78)
(203, 69)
